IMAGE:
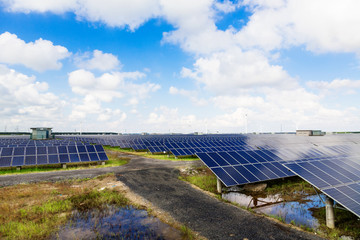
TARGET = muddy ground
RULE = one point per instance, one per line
(157, 182)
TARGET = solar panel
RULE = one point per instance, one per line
(36, 153)
(338, 177)
(241, 167)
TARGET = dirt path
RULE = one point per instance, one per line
(157, 181)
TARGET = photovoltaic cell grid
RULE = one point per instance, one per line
(338, 177)
(242, 167)
(40, 155)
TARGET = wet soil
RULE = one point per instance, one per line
(157, 182)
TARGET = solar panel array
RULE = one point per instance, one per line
(49, 152)
(241, 167)
(331, 163)
(185, 145)
(337, 176)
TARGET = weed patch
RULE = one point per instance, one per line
(161, 156)
(346, 223)
(35, 211)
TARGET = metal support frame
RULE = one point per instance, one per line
(330, 217)
(218, 185)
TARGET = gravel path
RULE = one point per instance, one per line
(157, 181)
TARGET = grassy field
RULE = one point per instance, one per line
(36, 211)
(113, 161)
(149, 155)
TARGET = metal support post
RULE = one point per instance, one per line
(218, 185)
(330, 219)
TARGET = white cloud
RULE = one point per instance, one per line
(191, 95)
(26, 101)
(322, 26)
(40, 55)
(111, 12)
(98, 60)
(27, 6)
(236, 71)
(336, 84)
(106, 88)
(196, 31)
(170, 119)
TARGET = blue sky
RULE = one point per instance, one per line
(168, 66)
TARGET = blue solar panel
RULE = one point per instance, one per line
(18, 161)
(53, 159)
(19, 151)
(30, 151)
(93, 157)
(74, 158)
(7, 152)
(41, 159)
(337, 177)
(81, 149)
(64, 158)
(245, 166)
(5, 161)
(90, 148)
(52, 150)
(30, 160)
(41, 150)
(84, 157)
(62, 149)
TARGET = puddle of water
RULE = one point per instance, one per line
(116, 223)
(296, 211)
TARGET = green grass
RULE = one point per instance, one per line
(205, 179)
(290, 187)
(187, 233)
(35, 211)
(112, 162)
(38, 222)
(346, 223)
(149, 155)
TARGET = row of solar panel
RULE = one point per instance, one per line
(240, 167)
(15, 161)
(17, 151)
(338, 177)
(193, 151)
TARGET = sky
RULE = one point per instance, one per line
(166, 66)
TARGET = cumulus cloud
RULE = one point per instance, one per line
(322, 26)
(346, 84)
(97, 60)
(23, 99)
(106, 88)
(112, 13)
(163, 117)
(232, 72)
(191, 95)
(40, 55)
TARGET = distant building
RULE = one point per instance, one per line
(309, 133)
(41, 133)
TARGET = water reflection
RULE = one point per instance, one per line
(290, 211)
(116, 223)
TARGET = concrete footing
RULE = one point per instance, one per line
(330, 219)
(18, 168)
(218, 185)
(63, 165)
